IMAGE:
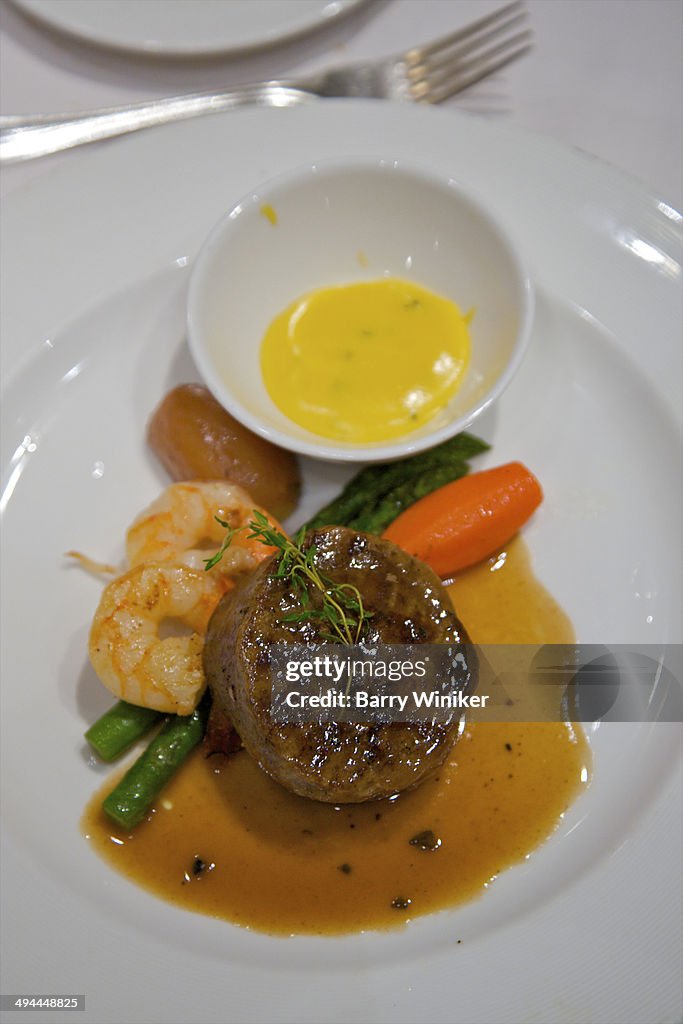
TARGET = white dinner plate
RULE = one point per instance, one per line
(95, 262)
(178, 28)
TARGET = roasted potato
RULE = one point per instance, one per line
(196, 439)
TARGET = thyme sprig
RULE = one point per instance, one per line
(341, 613)
(227, 541)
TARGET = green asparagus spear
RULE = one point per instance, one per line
(117, 729)
(129, 802)
(377, 518)
(365, 487)
(368, 487)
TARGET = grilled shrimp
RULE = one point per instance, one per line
(181, 526)
(126, 649)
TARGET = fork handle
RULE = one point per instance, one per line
(25, 138)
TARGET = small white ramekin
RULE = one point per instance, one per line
(354, 220)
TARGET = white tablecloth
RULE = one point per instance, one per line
(604, 75)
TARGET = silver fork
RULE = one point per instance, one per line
(425, 74)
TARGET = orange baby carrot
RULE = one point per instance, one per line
(468, 520)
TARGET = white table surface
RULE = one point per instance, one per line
(604, 75)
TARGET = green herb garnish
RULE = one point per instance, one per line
(341, 614)
(227, 541)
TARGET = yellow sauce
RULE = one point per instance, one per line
(270, 213)
(365, 362)
(282, 864)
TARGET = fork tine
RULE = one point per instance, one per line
(513, 10)
(464, 52)
(468, 73)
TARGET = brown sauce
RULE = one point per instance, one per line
(281, 864)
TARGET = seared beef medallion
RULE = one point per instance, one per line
(333, 762)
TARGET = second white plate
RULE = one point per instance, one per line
(183, 28)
